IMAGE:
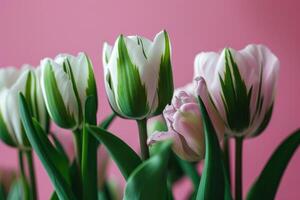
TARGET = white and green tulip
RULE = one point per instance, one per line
(67, 81)
(13, 82)
(242, 86)
(138, 75)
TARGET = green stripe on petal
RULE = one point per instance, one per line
(67, 66)
(91, 89)
(236, 98)
(132, 95)
(165, 82)
(55, 103)
(264, 122)
(4, 133)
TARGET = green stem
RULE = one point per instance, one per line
(142, 125)
(238, 168)
(226, 154)
(170, 189)
(21, 163)
(77, 136)
(89, 164)
(33, 189)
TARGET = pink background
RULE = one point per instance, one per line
(31, 30)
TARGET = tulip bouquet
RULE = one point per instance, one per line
(230, 97)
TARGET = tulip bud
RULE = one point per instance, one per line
(138, 75)
(16, 81)
(66, 83)
(241, 85)
(184, 127)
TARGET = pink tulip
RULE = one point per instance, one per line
(184, 126)
(241, 85)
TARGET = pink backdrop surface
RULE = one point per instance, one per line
(31, 30)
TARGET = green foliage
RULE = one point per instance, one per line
(266, 185)
(213, 183)
(149, 180)
(54, 163)
(126, 159)
(107, 121)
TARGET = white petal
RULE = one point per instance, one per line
(143, 43)
(106, 54)
(9, 75)
(153, 67)
(5, 112)
(188, 88)
(40, 100)
(12, 105)
(80, 69)
(210, 66)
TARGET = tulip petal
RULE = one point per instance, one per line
(187, 124)
(39, 105)
(202, 91)
(106, 53)
(162, 50)
(9, 75)
(55, 83)
(5, 128)
(180, 146)
(83, 74)
(130, 87)
(22, 85)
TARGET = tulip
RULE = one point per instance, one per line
(241, 85)
(138, 75)
(185, 126)
(13, 82)
(66, 83)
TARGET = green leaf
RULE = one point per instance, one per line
(55, 165)
(149, 180)
(89, 151)
(126, 159)
(76, 181)
(105, 192)
(2, 192)
(54, 196)
(266, 185)
(214, 183)
(107, 121)
(59, 147)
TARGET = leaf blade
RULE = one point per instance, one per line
(213, 183)
(274, 169)
(40, 146)
(142, 183)
(126, 162)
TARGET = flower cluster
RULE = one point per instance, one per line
(231, 96)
